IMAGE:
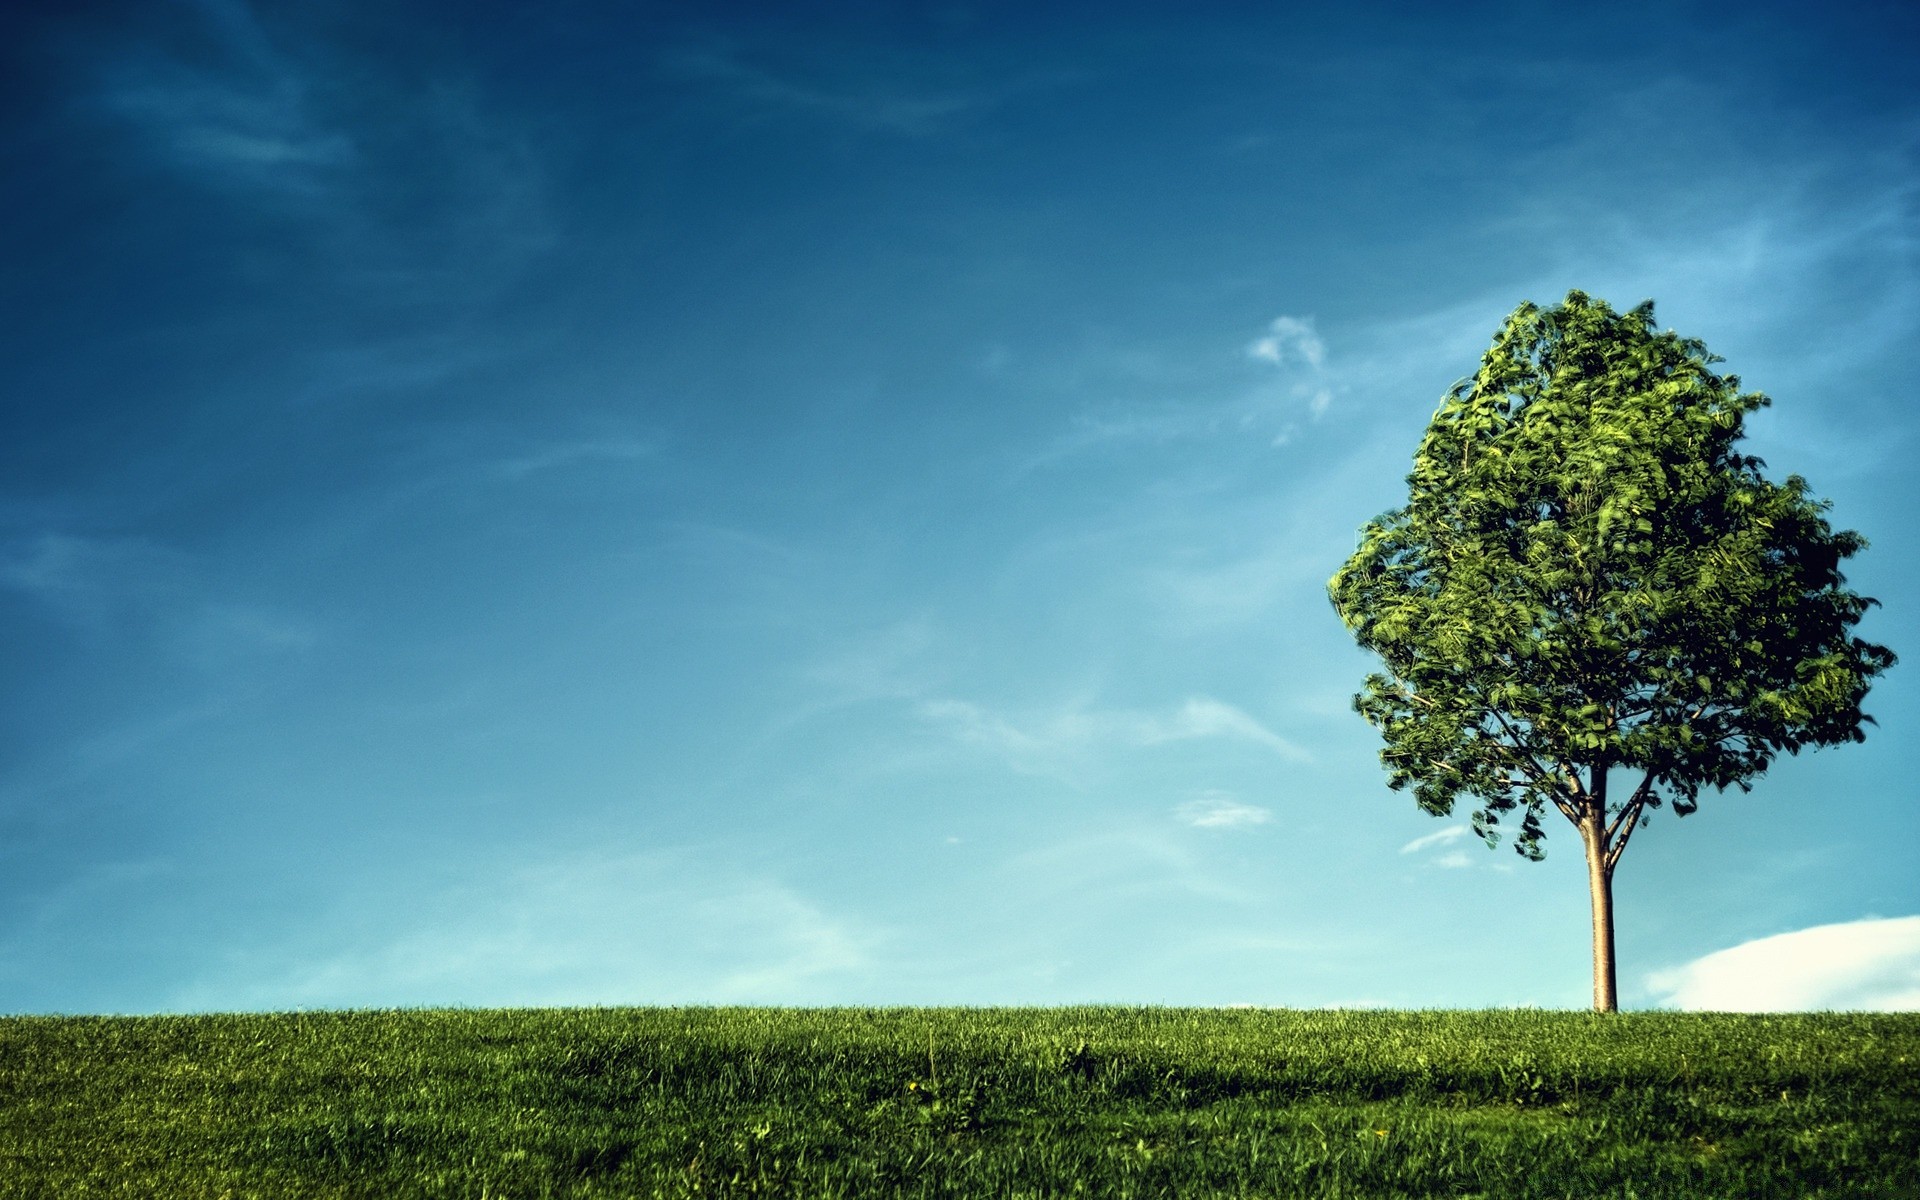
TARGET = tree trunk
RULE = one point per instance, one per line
(1593, 832)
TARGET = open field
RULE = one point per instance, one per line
(960, 1102)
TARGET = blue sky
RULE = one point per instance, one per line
(650, 504)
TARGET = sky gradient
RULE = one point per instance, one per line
(618, 504)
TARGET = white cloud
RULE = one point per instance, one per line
(1290, 339)
(1871, 964)
(1454, 859)
(1293, 342)
(1047, 742)
(1221, 810)
(1443, 837)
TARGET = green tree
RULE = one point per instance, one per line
(1589, 578)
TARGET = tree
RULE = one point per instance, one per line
(1589, 578)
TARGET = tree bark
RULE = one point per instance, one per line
(1593, 832)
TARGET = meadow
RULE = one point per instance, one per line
(1119, 1102)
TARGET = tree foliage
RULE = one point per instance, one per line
(1589, 575)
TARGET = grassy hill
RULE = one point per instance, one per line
(960, 1102)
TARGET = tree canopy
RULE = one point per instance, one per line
(1589, 575)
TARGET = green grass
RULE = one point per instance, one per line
(960, 1102)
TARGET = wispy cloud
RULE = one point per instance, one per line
(1443, 837)
(898, 661)
(1217, 398)
(152, 735)
(571, 454)
(1222, 810)
(593, 927)
(1052, 741)
(1240, 591)
(111, 586)
(222, 629)
(1872, 964)
(251, 120)
(889, 103)
(89, 579)
(1452, 856)
(1098, 867)
(1833, 228)
(804, 945)
(1232, 562)
(1205, 717)
(247, 105)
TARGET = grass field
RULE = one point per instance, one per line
(960, 1102)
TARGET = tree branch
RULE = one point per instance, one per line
(1577, 798)
(1627, 821)
(1527, 761)
(1531, 766)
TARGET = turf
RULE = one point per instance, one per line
(960, 1102)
